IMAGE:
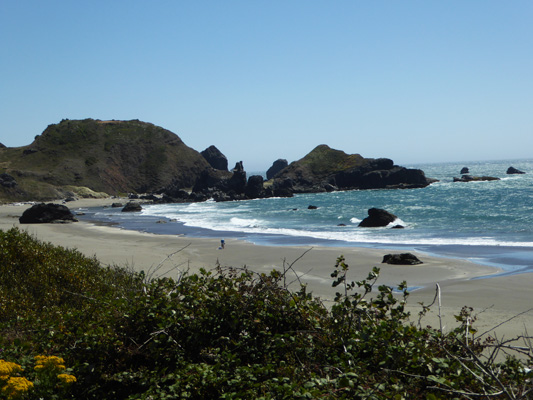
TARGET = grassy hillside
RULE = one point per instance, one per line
(323, 161)
(70, 329)
(104, 156)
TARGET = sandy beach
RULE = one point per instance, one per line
(495, 299)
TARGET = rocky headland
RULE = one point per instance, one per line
(94, 158)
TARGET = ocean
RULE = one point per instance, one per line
(490, 223)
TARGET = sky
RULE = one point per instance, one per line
(414, 81)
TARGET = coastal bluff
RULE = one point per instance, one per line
(94, 158)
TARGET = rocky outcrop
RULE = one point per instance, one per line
(2, 146)
(325, 169)
(401, 259)
(132, 206)
(464, 170)
(215, 158)
(7, 181)
(513, 170)
(276, 167)
(47, 213)
(470, 178)
(377, 217)
(254, 188)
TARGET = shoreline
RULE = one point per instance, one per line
(497, 298)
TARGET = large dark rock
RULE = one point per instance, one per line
(132, 206)
(226, 185)
(465, 170)
(513, 170)
(47, 213)
(401, 259)
(254, 188)
(215, 158)
(377, 218)
(2, 146)
(237, 182)
(276, 167)
(7, 181)
(470, 178)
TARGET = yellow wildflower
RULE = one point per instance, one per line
(8, 368)
(66, 378)
(16, 386)
(49, 362)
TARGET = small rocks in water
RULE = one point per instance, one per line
(465, 170)
(377, 218)
(117, 205)
(398, 227)
(47, 213)
(312, 207)
(161, 221)
(341, 225)
(513, 170)
(401, 259)
(132, 206)
(470, 178)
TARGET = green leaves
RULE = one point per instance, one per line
(230, 333)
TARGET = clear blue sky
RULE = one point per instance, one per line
(415, 81)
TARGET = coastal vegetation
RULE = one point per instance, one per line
(72, 328)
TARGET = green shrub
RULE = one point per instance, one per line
(231, 334)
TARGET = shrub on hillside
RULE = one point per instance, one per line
(231, 333)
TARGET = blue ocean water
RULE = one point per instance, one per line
(487, 222)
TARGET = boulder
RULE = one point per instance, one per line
(311, 207)
(132, 206)
(377, 218)
(276, 167)
(47, 213)
(215, 158)
(464, 170)
(117, 205)
(513, 170)
(401, 259)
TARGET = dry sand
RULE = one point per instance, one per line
(495, 299)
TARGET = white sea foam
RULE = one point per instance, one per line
(245, 223)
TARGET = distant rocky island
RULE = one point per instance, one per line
(94, 158)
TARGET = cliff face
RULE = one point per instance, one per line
(104, 156)
(326, 169)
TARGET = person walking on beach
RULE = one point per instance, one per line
(222, 243)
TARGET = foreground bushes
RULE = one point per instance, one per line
(228, 334)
